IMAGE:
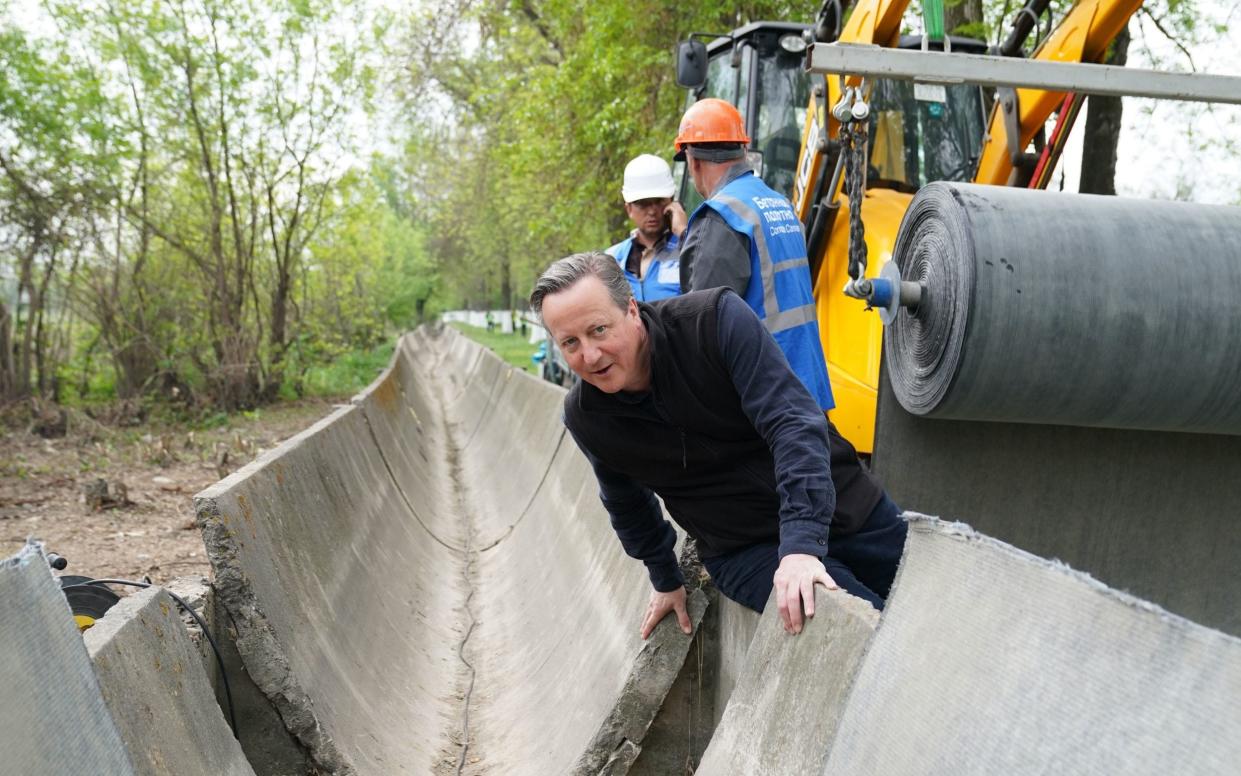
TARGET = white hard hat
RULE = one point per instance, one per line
(647, 177)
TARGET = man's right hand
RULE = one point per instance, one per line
(660, 605)
(794, 583)
(677, 220)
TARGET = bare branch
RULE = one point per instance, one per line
(1159, 26)
(527, 9)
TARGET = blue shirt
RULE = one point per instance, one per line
(663, 275)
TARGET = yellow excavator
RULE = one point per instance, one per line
(915, 133)
(880, 140)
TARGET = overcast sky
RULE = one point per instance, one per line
(1169, 150)
(1177, 150)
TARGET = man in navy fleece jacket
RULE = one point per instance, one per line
(690, 398)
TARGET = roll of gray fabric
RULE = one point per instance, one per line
(1069, 309)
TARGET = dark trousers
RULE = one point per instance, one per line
(863, 563)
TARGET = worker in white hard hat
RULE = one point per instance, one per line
(649, 255)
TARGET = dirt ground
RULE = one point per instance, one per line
(49, 488)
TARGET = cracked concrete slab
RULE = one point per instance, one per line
(53, 719)
(344, 601)
(152, 680)
(991, 660)
(615, 746)
(792, 691)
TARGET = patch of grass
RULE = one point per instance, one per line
(17, 467)
(214, 420)
(348, 373)
(513, 348)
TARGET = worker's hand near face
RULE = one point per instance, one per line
(677, 220)
(794, 582)
(661, 604)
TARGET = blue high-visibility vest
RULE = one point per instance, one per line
(780, 289)
(663, 275)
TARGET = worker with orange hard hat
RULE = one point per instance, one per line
(749, 239)
(745, 236)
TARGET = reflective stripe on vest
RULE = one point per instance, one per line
(776, 318)
(780, 290)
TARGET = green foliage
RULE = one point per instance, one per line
(193, 209)
(520, 161)
(86, 377)
(213, 420)
(185, 178)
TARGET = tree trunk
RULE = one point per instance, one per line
(506, 281)
(25, 323)
(963, 17)
(136, 366)
(1103, 119)
(277, 342)
(44, 362)
(8, 375)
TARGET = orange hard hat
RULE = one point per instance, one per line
(710, 121)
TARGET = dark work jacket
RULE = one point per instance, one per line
(714, 472)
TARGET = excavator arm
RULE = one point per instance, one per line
(1082, 36)
(852, 337)
(874, 21)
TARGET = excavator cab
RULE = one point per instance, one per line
(923, 132)
(919, 132)
(760, 69)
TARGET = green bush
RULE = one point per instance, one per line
(348, 373)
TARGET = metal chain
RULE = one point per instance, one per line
(853, 113)
(855, 139)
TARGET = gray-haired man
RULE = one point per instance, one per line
(690, 398)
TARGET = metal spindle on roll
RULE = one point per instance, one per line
(1069, 309)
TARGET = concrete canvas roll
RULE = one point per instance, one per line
(1069, 309)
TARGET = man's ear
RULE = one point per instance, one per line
(695, 172)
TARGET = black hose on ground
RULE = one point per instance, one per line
(228, 693)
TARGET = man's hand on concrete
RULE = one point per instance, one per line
(794, 582)
(677, 219)
(661, 604)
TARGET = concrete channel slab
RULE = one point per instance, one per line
(552, 586)
(573, 640)
(737, 626)
(53, 719)
(785, 709)
(268, 746)
(991, 660)
(426, 582)
(152, 680)
(343, 600)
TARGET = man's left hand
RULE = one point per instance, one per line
(794, 582)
